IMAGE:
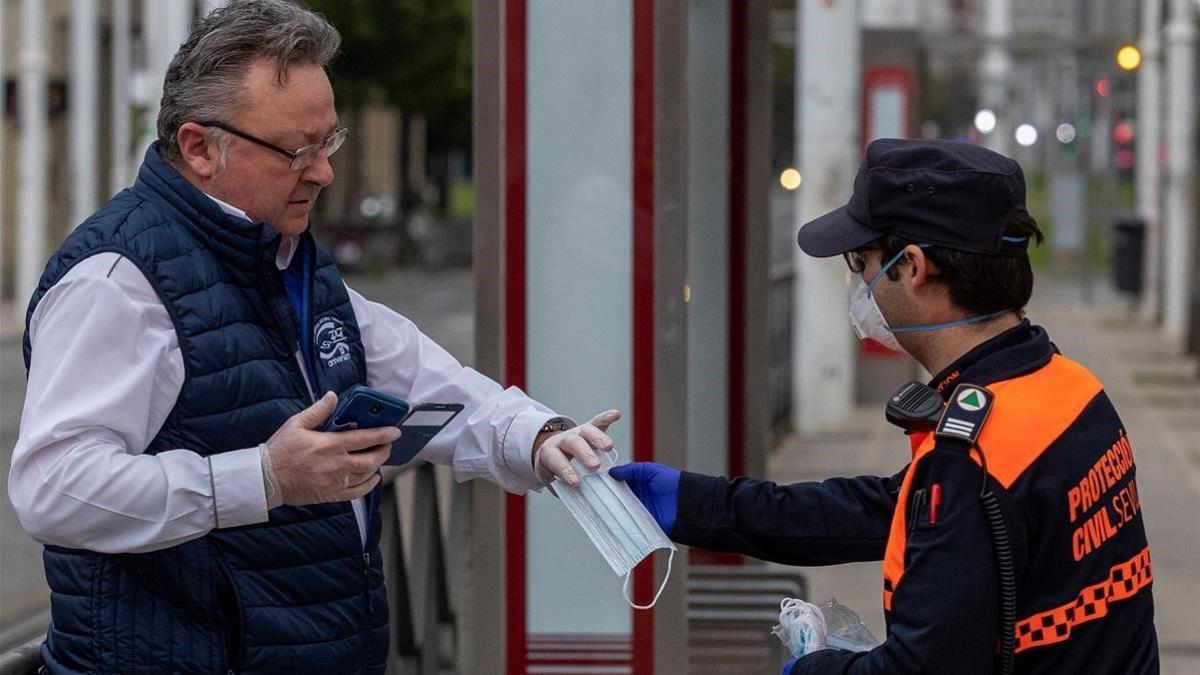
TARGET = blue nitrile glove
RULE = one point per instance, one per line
(787, 667)
(656, 486)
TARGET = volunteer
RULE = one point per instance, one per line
(1015, 530)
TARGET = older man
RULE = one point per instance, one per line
(194, 519)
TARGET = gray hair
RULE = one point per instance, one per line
(204, 79)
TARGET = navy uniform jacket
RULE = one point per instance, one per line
(1058, 458)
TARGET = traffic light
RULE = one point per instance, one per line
(1129, 58)
(1123, 135)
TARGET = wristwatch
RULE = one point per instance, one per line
(555, 425)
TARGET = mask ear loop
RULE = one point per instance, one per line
(625, 586)
(883, 270)
(615, 456)
(950, 324)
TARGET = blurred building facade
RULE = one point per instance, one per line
(100, 64)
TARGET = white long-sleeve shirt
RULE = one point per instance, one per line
(106, 369)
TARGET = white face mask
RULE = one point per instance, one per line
(618, 524)
(868, 321)
(866, 318)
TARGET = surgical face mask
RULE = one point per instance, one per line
(865, 316)
(868, 321)
(618, 524)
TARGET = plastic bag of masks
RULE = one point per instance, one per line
(805, 628)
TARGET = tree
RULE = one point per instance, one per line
(413, 54)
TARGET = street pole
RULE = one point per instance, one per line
(827, 106)
(31, 237)
(1101, 167)
(995, 68)
(118, 172)
(84, 136)
(1180, 127)
(3, 106)
(1149, 147)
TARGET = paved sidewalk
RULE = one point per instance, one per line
(1158, 397)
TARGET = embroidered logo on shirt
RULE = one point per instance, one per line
(329, 337)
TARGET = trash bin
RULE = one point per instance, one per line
(1129, 241)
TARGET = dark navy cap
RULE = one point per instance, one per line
(945, 193)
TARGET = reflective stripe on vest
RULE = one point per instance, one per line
(1124, 580)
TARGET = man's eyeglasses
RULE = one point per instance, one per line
(856, 260)
(301, 157)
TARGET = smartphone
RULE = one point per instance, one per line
(419, 427)
(365, 408)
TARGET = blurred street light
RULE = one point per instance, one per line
(1123, 133)
(1103, 87)
(1129, 58)
(1065, 133)
(790, 179)
(1026, 135)
(985, 121)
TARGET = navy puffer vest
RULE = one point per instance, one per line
(298, 594)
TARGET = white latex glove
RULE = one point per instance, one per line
(553, 457)
(302, 466)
